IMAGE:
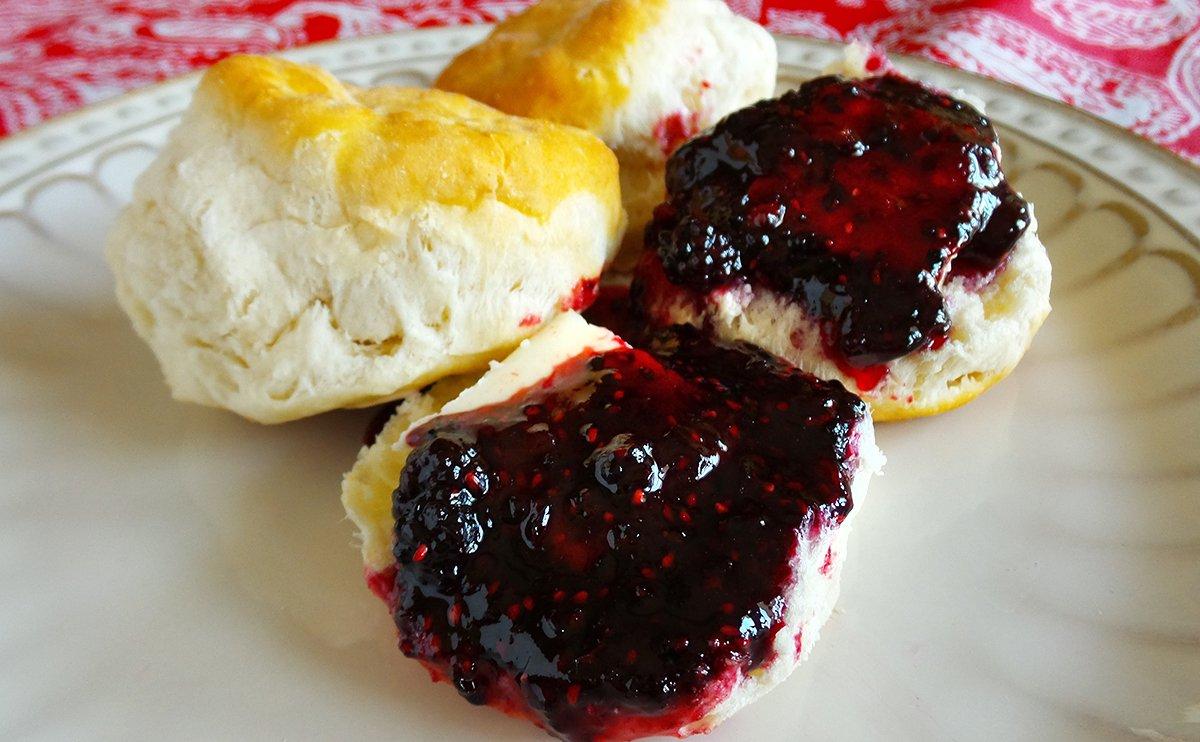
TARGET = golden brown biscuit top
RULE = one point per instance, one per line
(561, 60)
(392, 147)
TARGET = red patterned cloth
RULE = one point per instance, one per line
(1134, 62)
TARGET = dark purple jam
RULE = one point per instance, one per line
(856, 198)
(608, 550)
(615, 310)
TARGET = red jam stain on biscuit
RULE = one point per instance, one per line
(382, 583)
(857, 199)
(608, 553)
(827, 565)
(865, 378)
(676, 128)
(582, 295)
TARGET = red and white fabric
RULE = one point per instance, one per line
(1134, 62)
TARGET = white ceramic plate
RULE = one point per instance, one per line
(1029, 567)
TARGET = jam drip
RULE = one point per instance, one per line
(612, 547)
(858, 199)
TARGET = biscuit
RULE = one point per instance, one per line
(863, 230)
(643, 75)
(554, 503)
(301, 245)
(990, 331)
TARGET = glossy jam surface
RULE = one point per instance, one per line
(611, 549)
(858, 199)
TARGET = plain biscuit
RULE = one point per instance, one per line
(301, 245)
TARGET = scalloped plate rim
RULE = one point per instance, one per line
(45, 148)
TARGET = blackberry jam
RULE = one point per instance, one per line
(857, 199)
(610, 550)
(615, 310)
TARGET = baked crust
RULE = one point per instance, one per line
(643, 75)
(300, 245)
(561, 60)
(391, 146)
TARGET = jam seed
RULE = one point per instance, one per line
(543, 555)
(909, 151)
(471, 478)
